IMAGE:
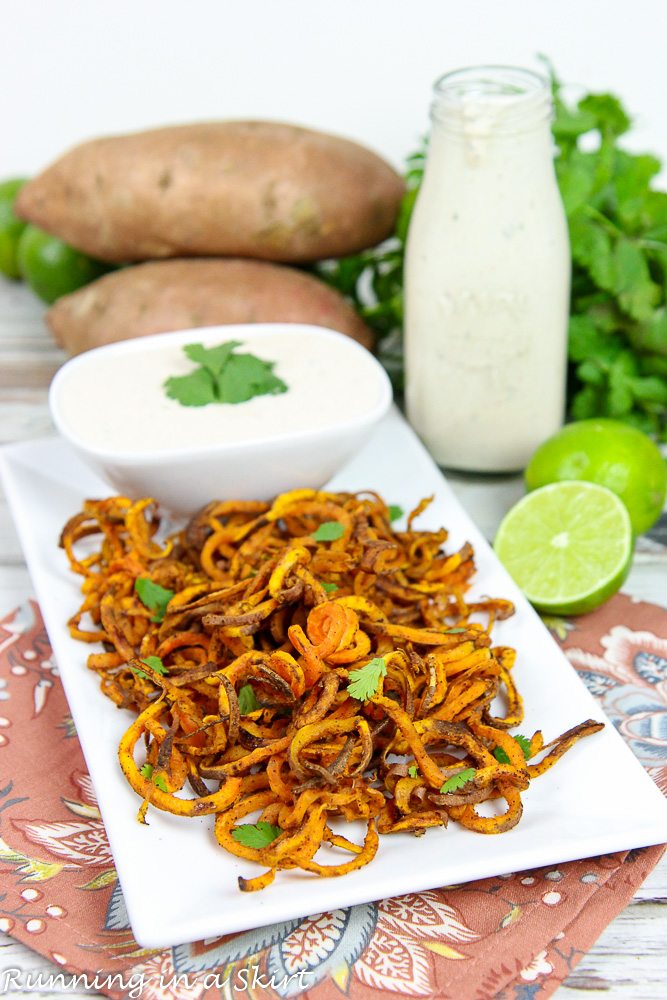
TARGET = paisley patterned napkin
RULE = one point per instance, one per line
(505, 938)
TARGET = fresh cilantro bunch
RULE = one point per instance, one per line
(618, 234)
(223, 376)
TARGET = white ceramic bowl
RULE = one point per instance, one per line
(185, 477)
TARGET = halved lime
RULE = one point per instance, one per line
(568, 546)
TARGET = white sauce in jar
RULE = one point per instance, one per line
(487, 276)
(113, 399)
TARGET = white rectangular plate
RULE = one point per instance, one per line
(597, 799)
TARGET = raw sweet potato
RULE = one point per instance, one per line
(177, 294)
(246, 189)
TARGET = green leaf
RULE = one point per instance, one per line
(256, 835)
(159, 782)
(455, 631)
(576, 179)
(590, 371)
(140, 673)
(650, 389)
(652, 335)
(524, 743)
(412, 771)
(395, 512)
(223, 377)
(329, 531)
(329, 588)
(611, 117)
(247, 700)
(458, 780)
(636, 292)
(364, 682)
(153, 596)
(213, 359)
(156, 664)
(245, 376)
(592, 248)
(586, 342)
(586, 402)
(146, 771)
(196, 389)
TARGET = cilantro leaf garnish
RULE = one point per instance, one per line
(156, 664)
(395, 512)
(364, 682)
(195, 389)
(140, 673)
(247, 701)
(223, 376)
(245, 376)
(328, 531)
(412, 771)
(147, 771)
(256, 834)
(153, 596)
(329, 587)
(455, 631)
(213, 359)
(524, 743)
(458, 780)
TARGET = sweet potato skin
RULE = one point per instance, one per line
(265, 190)
(159, 296)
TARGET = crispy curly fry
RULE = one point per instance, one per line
(244, 687)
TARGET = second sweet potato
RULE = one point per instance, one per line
(177, 294)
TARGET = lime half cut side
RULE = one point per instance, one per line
(568, 546)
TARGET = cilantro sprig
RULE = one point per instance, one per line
(248, 700)
(153, 596)
(364, 681)
(328, 531)
(147, 771)
(155, 663)
(257, 835)
(222, 376)
(458, 780)
(524, 743)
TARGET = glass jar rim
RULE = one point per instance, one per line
(491, 80)
(492, 100)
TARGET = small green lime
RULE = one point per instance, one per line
(611, 454)
(51, 267)
(568, 546)
(11, 227)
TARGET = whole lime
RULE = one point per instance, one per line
(611, 454)
(11, 227)
(53, 268)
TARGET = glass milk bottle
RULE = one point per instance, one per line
(487, 275)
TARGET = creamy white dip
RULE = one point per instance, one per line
(113, 400)
(487, 276)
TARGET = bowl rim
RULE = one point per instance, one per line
(194, 453)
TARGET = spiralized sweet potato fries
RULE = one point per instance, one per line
(303, 662)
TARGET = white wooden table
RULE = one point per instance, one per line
(629, 960)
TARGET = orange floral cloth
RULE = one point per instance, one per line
(507, 938)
